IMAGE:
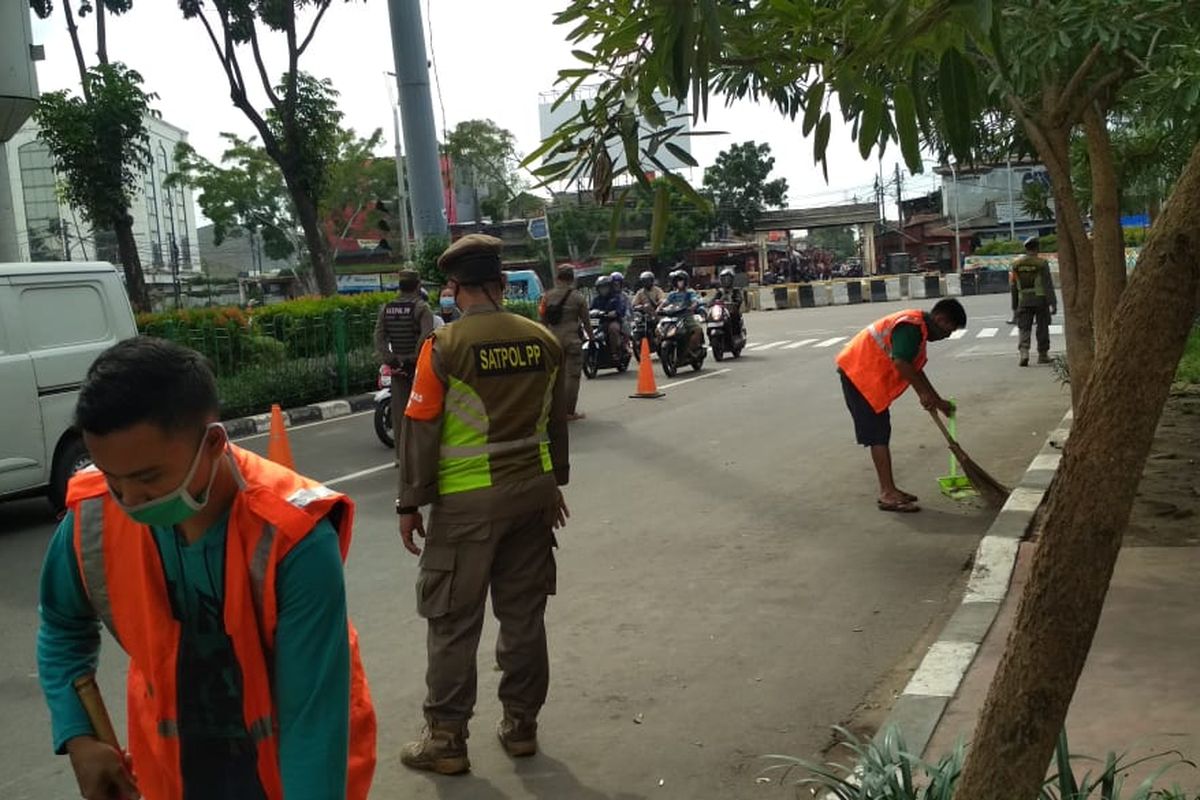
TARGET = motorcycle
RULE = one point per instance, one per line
(643, 328)
(725, 335)
(673, 341)
(597, 354)
(383, 407)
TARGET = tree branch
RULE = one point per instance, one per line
(262, 67)
(73, 29)
(1095, 94)
(312, 31)
(1066, 101)
(289, 112)
(237, 91)
(101, 33)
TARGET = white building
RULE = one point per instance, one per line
(990, 195)
(46, 229)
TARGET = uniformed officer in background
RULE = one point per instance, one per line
(402, 325)
(564, 310)
(1033, 300)
(486, 446)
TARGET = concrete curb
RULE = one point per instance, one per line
(919, 708)
(261, 423)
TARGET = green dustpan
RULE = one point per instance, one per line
(954, 485)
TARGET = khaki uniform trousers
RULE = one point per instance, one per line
(402, 384)
(573, 364)
(1027, 317)
(515, 558)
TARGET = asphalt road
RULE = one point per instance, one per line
(727, 588)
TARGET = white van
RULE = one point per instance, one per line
(55, 318)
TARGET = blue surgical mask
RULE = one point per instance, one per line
(447, 303)
(177, 506)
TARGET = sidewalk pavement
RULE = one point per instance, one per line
(1140, 690)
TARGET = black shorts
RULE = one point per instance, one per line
(871, 428)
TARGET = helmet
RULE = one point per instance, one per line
(726, 277)
(646, 279)
(618, 277)
(678, 275)
(603, 285)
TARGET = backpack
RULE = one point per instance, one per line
(554, 313)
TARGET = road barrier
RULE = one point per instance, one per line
(953, 285)
(855, 290)
(970, 283)
(766, 298)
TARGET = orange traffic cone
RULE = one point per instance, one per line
(278, 449)
(646, 388)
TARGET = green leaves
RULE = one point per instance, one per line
(662, 210)
(957, 93)
(906, 127)
(872, 118)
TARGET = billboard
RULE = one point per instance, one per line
(549, 118)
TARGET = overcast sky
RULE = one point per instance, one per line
(492, 61)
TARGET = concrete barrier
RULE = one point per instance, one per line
(892, 288)
(841, 293)
(878, 289)
(854, 290)
(992, 281)
(822, 294)
(970, 283)
(781, 297)
(953, 285)
(805, 297)
(766, 298)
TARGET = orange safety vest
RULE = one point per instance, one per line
(123, 576)
(867, 359)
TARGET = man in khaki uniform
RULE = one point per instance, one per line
(486, 446)
(1033, 301)
(565, 312)
(402, 325)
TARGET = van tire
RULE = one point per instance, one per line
(71, 456)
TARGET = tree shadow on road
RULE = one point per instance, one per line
(546, 778)
(466, 787)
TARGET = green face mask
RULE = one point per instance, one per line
(178, 506)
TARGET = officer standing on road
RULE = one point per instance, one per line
(402, 325)
(1033, 300)
(486, 433)
(565, 312)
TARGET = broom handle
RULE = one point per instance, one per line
(953, 436)
(93, 704)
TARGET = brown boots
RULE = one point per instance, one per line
(518, 738)
(442, 748)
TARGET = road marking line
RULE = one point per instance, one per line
(362, 473)
(800, 343)
(1056, 329)
(757, 345)
(1014, 332)
(306, 425)
(829, 342)
(987, 333)
(697, 378)
(762, 347)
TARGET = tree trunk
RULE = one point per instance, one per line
(1108, 240)
(135, 281)
(1088, 509)
(314, 239)
(1076, 269)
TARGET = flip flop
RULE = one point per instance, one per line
(899, 506)
(912, 498)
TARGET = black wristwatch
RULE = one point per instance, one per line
(402, 510)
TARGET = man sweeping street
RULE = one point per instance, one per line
(487, 433)
(220, 574)
(877, 366)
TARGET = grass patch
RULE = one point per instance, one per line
(1189, 365)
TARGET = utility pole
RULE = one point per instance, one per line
(899, 208)
(957, 244)
(401, 182)
(1012, 211)
(420, 133)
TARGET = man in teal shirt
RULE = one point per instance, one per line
(144, 394)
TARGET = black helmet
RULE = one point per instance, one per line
(646, 279)
(603, 285)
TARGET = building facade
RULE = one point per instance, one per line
(47, 229)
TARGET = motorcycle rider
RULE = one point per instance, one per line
(612, 306)
(683, 295)
(733, 298)
(649, 296)
(622, 293)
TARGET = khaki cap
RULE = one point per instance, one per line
(474, 258)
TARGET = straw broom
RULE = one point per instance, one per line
(992, 490)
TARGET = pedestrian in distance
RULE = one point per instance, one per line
(402, 324)
(564, 310)
(1033, 301)
(447, 310)
(487, 433)
(220, 574)
(877, 366)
